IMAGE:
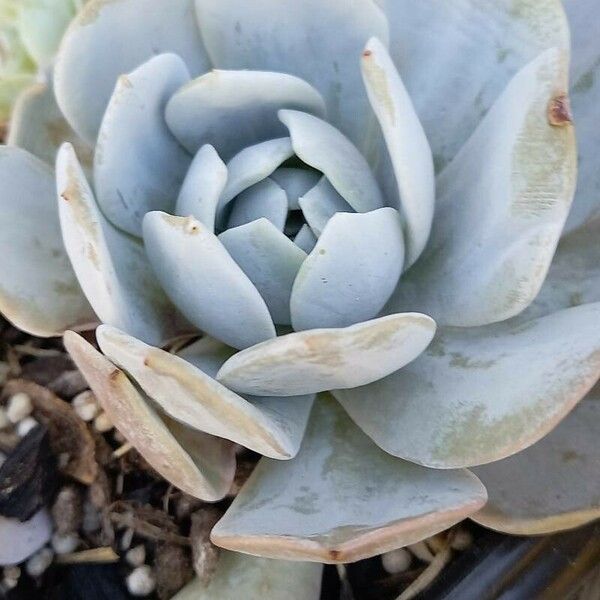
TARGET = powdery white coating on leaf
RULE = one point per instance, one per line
(342, 499)
(270, 260)
(295, 183)
(264, 199)
(184, 387)
(551, 486)
(322, 359)
(351, 272)
(478, 395)
(138, 165)
(320, 203)
(111, 37)
(406, 144)
(252, 165)
(472, 48)
(204, 282)
(39, 292)
(317, 41)
(197, 463)
(486, 260)
(202, 187)
(326, 149)
(251, 578)
(235, 109)
(111, 266)
(38, 126)
(585, 101)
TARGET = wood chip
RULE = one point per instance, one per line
(96, 555)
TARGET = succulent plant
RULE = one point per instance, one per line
(30, 31)
(357, 205)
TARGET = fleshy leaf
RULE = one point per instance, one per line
(111, 266)
(486, 261)
(551, 486)
(39, 292)
(109, 38)
(37, 125)
(585, 100)
(574, 275)
(317, 41)
(270, 260)
(471, 51)
(22, 539)
(139, 166)
(406, 143)
(198, 464)
(305, 239)
(202, 187)
(478, 395)
(185, 389)
(326, 149)
(235, 109)
(240, 576)
(204, 282)
(342, 499)
(252, 165)
(322, 359)
(351, 272)
(320, 203)
(264, 199)
(295, 183)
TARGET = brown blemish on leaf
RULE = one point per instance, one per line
(559, 111)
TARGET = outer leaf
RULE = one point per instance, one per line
(342, 499)
(472, 49)
(235, 109)
(551, 486)
(139, 166)
(110, 266)
(585, 99)
(478, 395)
(21, 540)
(406, 143)
(239, 576)
(351, 272)
(111, 37)
(210, 290)
(203, 466)
(39, 292)
(486, 261)
(37, 125)
(319, 42)
(185, 389)
(322, 359)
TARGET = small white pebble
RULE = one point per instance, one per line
(9, 583)
(136, 556)
(19, 406)
(86, 405)
(461, 539)
(25, 426)
(127, 538)
(140, 582)
(102, 423)
(64, 544)
(12, 572)
(396, 561)
(4, 422)
(39, 562)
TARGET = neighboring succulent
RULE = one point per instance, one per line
(284, 206)
(30, 31)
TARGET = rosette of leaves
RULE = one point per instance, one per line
(357, 205)
(30, 31)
